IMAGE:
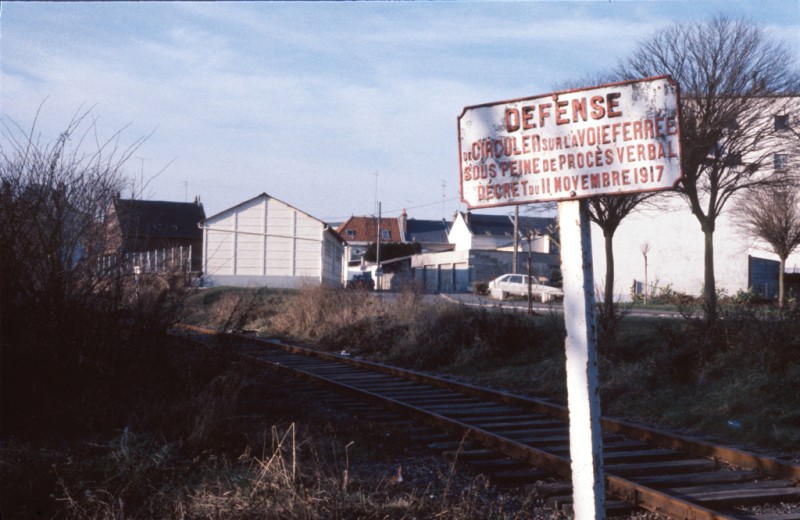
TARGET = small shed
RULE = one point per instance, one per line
(267, 242)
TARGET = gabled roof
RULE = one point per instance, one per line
(365, 229)
(159, 219)
(427, 231)
(264, 195)
(503, 225)
(539, 225)
(489, 225)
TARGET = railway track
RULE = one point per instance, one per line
(517, 439)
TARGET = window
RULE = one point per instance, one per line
(780, 161)
(386, 234)
(349, 233)
(734, 159)
(781, 122)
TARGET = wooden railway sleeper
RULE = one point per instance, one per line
(633, 492)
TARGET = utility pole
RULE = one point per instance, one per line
(376, 188)
(516, 241)
(378, 270)
(530, 273)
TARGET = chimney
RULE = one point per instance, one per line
(403, 224)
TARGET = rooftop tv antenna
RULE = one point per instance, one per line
(443, 197)
(376, 174)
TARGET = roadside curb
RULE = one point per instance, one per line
(485, 303)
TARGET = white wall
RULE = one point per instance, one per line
(266, 241)
(464, 240)
(460, 235)
(677, 251)
(538, 245)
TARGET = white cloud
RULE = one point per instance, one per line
(308, 99)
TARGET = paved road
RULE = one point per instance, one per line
(473, 300)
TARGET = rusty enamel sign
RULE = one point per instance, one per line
(604, 140)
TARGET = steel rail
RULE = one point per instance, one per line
(736, 456)
(630, 491)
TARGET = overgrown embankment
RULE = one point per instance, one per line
(105, 416)
(736, 379)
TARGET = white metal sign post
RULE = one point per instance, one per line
(583, 397)
(568, 147)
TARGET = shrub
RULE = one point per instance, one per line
(742, 296)
(480, 288)
(399, 328)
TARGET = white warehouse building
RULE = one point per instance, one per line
(266, 242)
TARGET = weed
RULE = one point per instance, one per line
(294, 475)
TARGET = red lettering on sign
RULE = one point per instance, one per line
(527, 115)
(544, 112)
(561, 111)
(578, 109)
(612, 100)
(512, 119)
(598, 111)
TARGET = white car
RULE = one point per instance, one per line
(517, 285)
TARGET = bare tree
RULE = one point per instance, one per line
(645, 249)
(70, 325)
(608, 212)
(772, 214)
(734, 79)
(54, 199)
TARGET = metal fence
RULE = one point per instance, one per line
(159, 261)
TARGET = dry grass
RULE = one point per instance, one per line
(326, 465)
(175, 431)
(398, 328)
(693, 376)
(189, 432)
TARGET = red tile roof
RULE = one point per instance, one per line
(364, 229)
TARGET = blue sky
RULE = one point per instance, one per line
(309, 101)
